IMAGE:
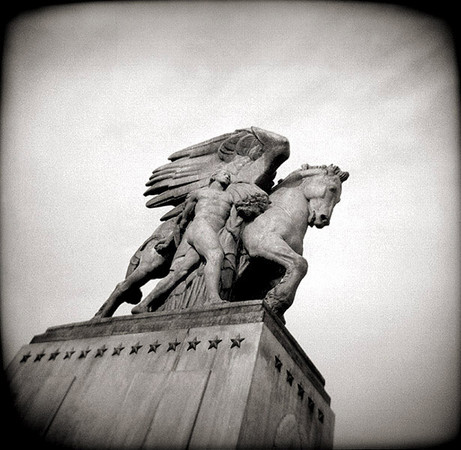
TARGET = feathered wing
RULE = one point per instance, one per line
(251, 155)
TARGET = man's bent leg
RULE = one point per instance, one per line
(207, 244)
(212, 273)
(180, 269)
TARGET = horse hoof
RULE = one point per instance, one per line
(139, 310)
(101, 314)
(276, 306)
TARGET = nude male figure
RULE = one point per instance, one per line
(212, 206)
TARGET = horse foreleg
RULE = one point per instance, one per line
(275, 249)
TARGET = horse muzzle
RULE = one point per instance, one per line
(319, 220)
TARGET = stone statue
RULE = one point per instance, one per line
(211, 207)
(231, 235)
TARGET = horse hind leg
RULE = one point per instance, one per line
(141, 269)
(127, 291)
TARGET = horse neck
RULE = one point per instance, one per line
(293, 201)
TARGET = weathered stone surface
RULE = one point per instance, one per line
(223, 376)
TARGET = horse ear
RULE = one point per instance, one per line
(343, 176)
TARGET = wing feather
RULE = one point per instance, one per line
(173, 212)
(204, 148)
(176, 195)
(176, 171)
(159, 177)
(170, 183)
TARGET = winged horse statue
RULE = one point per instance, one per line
(231, 235)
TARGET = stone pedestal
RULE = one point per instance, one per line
(224, 376)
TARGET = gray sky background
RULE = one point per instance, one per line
(96, 96)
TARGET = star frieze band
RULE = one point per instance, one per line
(235, 342)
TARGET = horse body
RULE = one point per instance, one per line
(287, 217)
(305, 198)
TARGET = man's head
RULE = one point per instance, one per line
(222, 176)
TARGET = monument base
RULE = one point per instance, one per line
(229, 375)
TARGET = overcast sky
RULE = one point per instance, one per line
(96, 96)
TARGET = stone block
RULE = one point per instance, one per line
(224, 376)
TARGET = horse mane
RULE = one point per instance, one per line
(301, 173)
(332, 170)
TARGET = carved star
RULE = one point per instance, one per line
(237, 341)
(193, 344)
(135, 348)
(100, 351)
(117, 350)
(278, 363)
(39, 356)
(54, 355)
(290, 377)
(310, 404)
(173, 345)
(321, 416)
(300, 391)
(83, 353)
(25, 357)
(69, 354)
(153, 347)
(214, 342)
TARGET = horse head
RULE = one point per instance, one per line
(321, 186)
